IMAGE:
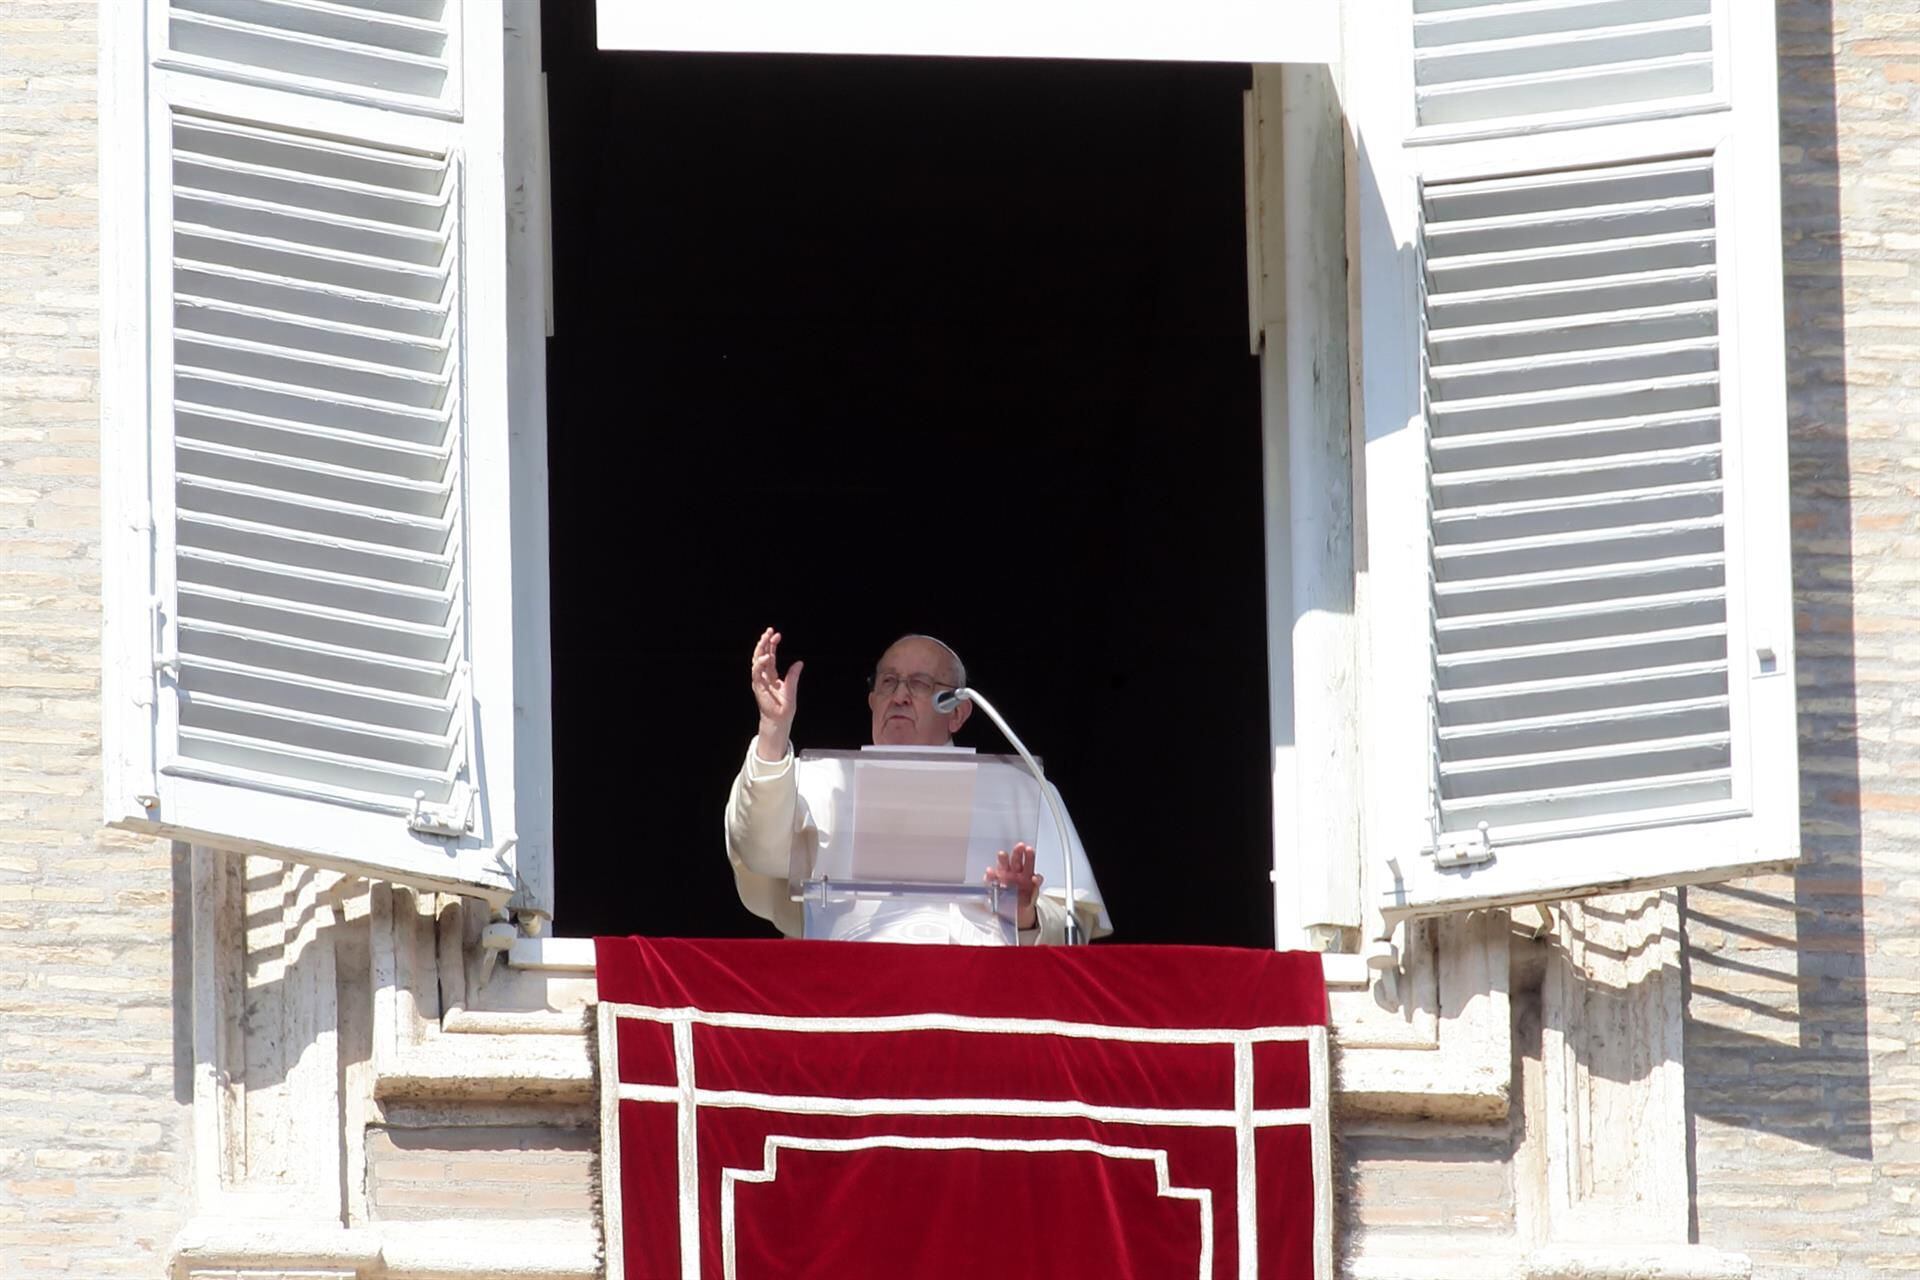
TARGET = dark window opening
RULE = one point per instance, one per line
(862, 346)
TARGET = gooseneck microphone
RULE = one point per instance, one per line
(944, 703)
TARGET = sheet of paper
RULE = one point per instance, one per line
(911, 820)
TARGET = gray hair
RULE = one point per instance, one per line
(959, 667)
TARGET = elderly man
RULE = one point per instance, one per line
(768, 819)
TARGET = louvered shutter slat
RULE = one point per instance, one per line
(1606, 692)
(400, 53)
(1569, 803)
(276, 722)
(1571, 659)
(269, 761)
(301, 513)
(311, 441)
(258, 451)
(1488, 61)
(408, 25)
(365, 633)
(243, 287)
(292, 547)
(317, 336)
(1564, 555)
(313, 371)
(218, 390)
(318, 661)
(308, 693)
(317, 484)
(272, 581)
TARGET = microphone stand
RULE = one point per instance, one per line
(945, 703)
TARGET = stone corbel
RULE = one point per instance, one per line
(1432, 1037)
(1616, 1195)
(431, 1042)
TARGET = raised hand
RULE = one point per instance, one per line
(1015, 871)
(776, 697)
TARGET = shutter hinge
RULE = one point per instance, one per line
(1463, 848)
(454, 818)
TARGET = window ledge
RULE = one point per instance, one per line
(545, 1068)
(575, 955)
(549, 1248)
(564, 955)
(1608, 1262)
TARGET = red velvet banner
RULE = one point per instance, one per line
(823, 1109)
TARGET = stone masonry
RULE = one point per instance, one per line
(93, 1145)
(1803, 1059)
(1803, 1062)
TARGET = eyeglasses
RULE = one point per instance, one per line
(887, 683)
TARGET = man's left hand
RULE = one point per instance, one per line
(1015, 871)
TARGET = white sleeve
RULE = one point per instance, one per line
(765, 817)
(1050, 914)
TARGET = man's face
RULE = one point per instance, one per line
(903, 718)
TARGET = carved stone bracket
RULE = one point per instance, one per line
(1434, 1036)
(1614, 1107)
(327, 1008)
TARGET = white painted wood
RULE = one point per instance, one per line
(1204, 30)
(1267, 301)
(490, 533)
(405, 57)
(1606, 417)
(529, 273)
(324, 115)
(1490, 69)
(1320, 477)
(1391, 550)
(126, 554)
(298, 322)
(1299, 290)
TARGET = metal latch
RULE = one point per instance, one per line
(454, 818)
(1463, 848)
(166, 656)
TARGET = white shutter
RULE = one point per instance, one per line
(1574, 400)
(1498, 63)
(306, 414)
(387, 52)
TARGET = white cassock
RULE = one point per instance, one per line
(772, 827)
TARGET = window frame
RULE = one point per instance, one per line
(1758, 828)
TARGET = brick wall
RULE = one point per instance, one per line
(92, 1136)
(1803, 1068)
(481, 1171)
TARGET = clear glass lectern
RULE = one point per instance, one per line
(905, 839)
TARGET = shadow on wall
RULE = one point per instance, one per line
(1777, 1034)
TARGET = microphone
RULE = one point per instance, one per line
(944, 703)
